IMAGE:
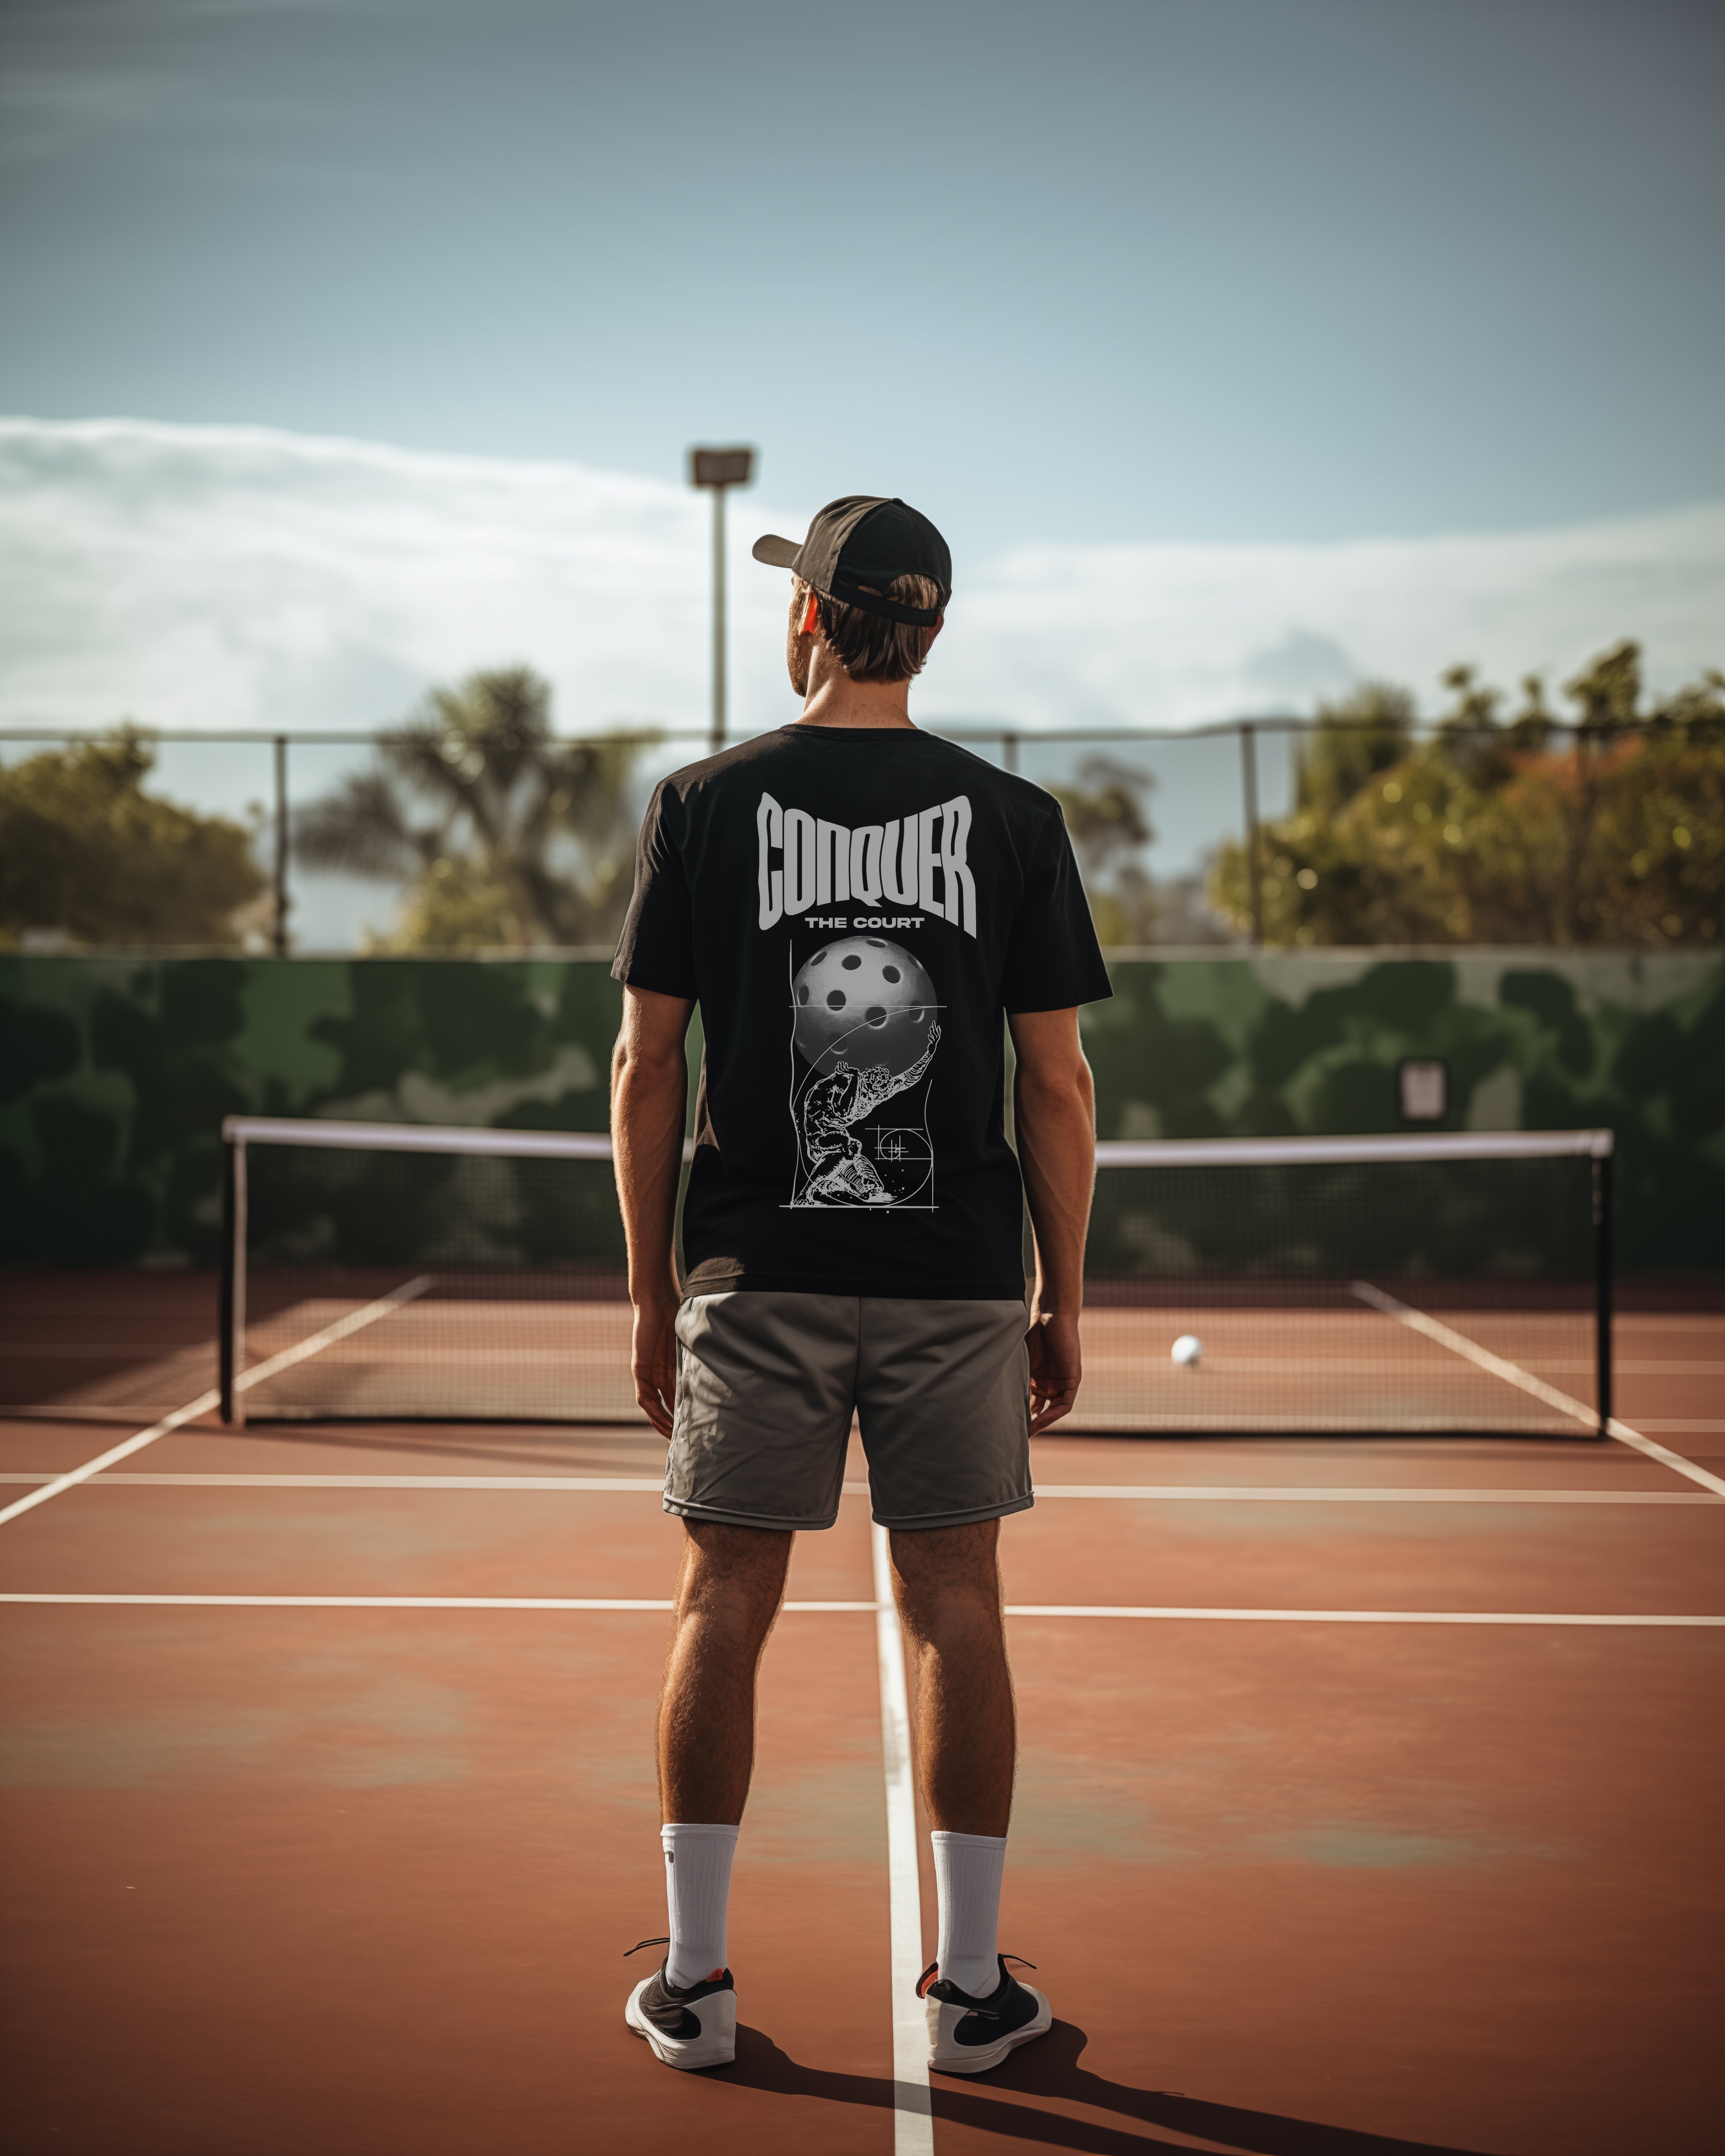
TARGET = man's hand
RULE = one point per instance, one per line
(650, 1083)
(1056, 1365)
(1055, 1118)
(655, 1363)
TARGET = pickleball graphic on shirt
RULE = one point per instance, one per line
(865, 1027)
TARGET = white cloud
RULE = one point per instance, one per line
(219, 577)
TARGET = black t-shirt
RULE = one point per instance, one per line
(853, 909)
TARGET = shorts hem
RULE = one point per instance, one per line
(918, 1521)
(863, 1287)
(729, 1515)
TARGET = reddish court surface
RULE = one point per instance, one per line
(359, 1880)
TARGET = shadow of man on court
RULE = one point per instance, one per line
(1050, 2070)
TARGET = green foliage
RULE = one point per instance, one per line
(1105, 821)
(114, 1076)
(85, 850)
(1486, 834)
(504, 836)
(1362, 734)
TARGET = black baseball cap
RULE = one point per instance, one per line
(855, 548)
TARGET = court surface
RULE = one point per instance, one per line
(1369, 1795)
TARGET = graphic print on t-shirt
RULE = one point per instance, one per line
(807, 863)
(865, 1027)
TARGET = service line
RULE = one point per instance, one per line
(313, 1343)
(1500, 1366)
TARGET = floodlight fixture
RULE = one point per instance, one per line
(719, 470)
(721, 467)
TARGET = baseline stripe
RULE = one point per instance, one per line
(1513, 1373)
(312, 1345)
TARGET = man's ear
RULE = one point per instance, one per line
(811, 618)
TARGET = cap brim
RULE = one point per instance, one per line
(776, 552)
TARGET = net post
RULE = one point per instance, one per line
(1602, 1288)
(232, 1323)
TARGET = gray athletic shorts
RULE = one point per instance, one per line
(766, 1383)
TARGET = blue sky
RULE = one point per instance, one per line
(1097, 271)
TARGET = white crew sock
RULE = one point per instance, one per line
(697, 1885)
(966, 1876)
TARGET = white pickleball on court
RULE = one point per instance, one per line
(1188, 1351)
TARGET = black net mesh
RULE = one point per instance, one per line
(1392, 1295)
(502, 1281)
(1356, 1295)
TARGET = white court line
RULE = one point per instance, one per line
(408, 1602)
(910, 2032)
(1513, 1373)
(1355, 1616)
(912, 2115)
(1318, 1494)
(601, 1483)
(285, 1360)
(1146, 1492)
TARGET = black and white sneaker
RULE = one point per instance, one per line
(968, 2035)
(691, 2027)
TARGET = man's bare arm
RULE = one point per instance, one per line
(649, 1092)
(1055, 1117)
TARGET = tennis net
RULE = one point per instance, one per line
(1453, 1282)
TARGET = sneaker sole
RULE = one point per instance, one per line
(688, 2057)
(985, 2056)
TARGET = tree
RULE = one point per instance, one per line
(1486, 833)
(1105, 821)
(504, 836)
(85, 850)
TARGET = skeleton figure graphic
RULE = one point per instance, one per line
(865, 1031)
(840, 1167)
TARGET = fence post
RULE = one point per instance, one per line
(1010, 751)
(282, 900)
(1249, 788)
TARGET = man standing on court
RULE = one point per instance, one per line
(854, 905)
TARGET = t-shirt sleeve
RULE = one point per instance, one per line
(656, 949)
(1053, 959)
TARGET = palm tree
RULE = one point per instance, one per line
(503, 834)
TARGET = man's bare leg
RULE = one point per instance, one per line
(946, 1581)
(728, 1594)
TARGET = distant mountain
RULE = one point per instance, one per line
(240, 577)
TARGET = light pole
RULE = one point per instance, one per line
(720, 469)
